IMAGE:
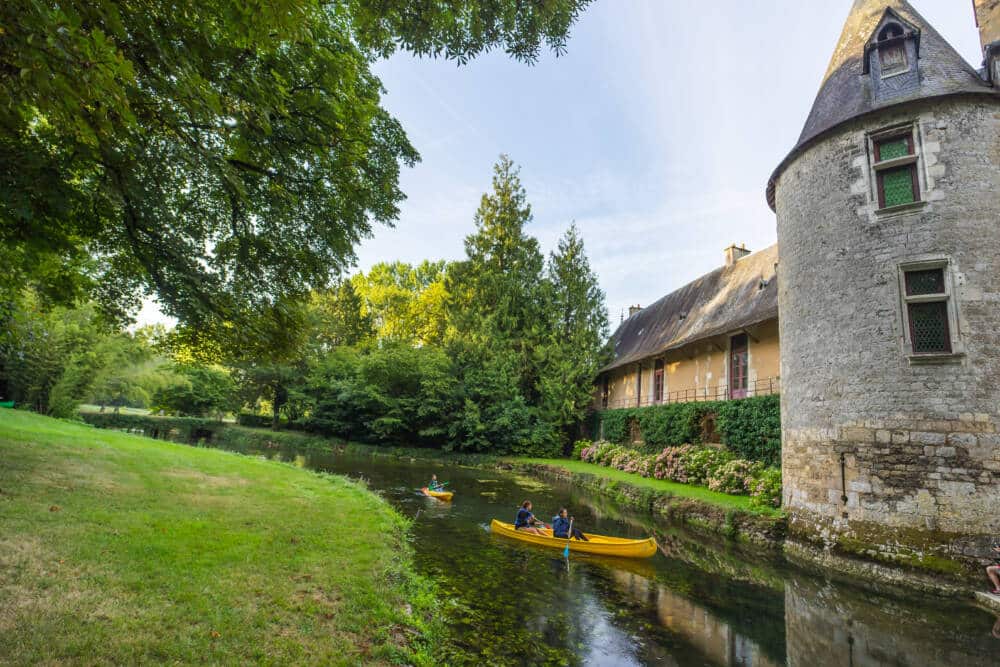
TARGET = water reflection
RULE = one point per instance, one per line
(701, 601)
(830, 625)
(714, 639)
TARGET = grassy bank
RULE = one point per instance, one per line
(121, 549)
(240, 438)
(699, 493)
(698, 508)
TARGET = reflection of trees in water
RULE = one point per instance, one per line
(833, 625)
(704, 601)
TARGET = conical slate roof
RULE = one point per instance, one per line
(846, 91)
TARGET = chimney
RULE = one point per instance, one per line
(632, 310)
(988, 22)
(735, 253)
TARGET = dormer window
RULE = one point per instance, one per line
(892, 50)
(890, 31)
(891, 56)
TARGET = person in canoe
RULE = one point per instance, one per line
(435, 485)
(526, 521)
(563, 524)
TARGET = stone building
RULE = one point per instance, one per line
(713, 339)
(888, 215)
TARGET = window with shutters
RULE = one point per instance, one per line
(928, 310)
(892, 50)
(895, 166)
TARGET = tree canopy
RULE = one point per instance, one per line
(219, 155)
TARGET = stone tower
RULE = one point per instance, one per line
(888, 212)
(988, 22)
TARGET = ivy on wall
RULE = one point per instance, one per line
(750, 427)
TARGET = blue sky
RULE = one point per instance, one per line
(656, 132)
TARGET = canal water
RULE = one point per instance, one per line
(699, 601)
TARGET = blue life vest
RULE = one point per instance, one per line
(524, 518)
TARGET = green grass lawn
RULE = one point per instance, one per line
(121, 549)
(681, 490)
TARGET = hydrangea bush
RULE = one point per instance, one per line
(717, 469)
(735, 477)
(670, 464)
(766, 489)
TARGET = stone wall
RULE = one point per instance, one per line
(884, 455)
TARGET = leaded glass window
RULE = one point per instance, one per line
(930, 281)
(893, 148)
(929, 327)
(897, 183)
(897, 187)
(927, 300)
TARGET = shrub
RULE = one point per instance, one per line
(700, 464)
(765, 489)
(253, 420)
(670, 424)
(633, 461)
(735, 477)
(614, 424)
(578, 448)
(641, 464)
(177, 429)
(674, 423)
(606, 454)
(669, 464)
(751, 427)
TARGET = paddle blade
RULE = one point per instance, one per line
(566, 551)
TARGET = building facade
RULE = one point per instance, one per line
(716, 338)
(888, 214)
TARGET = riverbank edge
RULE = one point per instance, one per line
(410, 633)
(760, 530)
(766, 533)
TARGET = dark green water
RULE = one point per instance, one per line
(697, 602)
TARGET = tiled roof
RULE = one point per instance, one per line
(727, 299)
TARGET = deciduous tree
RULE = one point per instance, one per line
(220, 155)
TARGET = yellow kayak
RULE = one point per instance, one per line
(440, 495)
(598, 544)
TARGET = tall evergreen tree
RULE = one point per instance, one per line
(577, 327)
(494, 294)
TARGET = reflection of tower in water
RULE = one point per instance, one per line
(695, 624)
(825, 625)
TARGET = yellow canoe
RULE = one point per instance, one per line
(440, 495)
(598, 544)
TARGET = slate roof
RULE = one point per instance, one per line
(727, 299)
(846, 91)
